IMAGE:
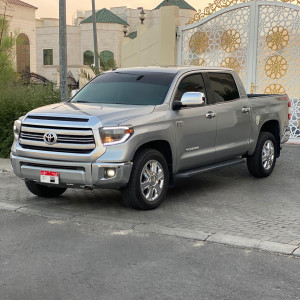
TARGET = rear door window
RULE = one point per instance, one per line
(223, 87)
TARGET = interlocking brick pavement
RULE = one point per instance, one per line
(227, 202)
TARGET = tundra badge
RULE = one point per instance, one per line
(192, 149)
(179, 123)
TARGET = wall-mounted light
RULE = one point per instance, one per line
(142, 16)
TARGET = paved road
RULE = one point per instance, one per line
(42, 258)
(228, 202)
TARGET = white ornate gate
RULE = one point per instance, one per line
(260, 40)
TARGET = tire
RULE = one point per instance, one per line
(261, 164)
(148, 182)
(43, 190)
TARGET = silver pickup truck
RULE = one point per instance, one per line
(138, 129)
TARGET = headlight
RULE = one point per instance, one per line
(17, 128)
(115, 135)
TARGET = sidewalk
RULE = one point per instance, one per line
(5, 164)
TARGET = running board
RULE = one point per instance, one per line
(213, 167)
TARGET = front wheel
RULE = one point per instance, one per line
(262, 162)
(43, 190)
(148, 182)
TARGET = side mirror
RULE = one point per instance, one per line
(74, 92)
(190, 99)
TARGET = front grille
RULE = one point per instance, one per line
(68, 139)
(72, 140)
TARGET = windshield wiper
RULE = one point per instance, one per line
(82, 101)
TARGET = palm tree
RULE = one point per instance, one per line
(105, 65)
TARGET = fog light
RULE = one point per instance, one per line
(111, 173)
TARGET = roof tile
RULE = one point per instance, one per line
(180, 3)
(21, 3)
(105, 16)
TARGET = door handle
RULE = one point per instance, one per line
(246, 109)
(210, 115)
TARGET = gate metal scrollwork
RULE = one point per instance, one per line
(259, 40)
(221, 41)
(278, 55)
(221, 4)
(277, 38)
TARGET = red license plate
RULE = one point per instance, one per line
(49, 177)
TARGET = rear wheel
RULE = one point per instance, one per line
(262, 162)
(43, 190)
(148, 182)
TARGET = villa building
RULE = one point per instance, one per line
(110, 35)
(21, 17)
(39, 50)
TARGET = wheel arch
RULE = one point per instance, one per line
(272, 126)
(165, 149)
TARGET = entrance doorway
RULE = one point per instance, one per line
(23, 53)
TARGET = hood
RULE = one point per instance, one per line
(108, 114)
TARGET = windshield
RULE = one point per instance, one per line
(137, 88)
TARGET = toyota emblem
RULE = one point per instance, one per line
(50, 138)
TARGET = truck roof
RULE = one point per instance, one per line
(172, 69)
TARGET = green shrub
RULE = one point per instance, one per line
(7, 44)
(16, 100)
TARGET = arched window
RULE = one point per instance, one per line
(23, 53)
(88, 57)
(107, 56)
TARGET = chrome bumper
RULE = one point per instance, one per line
(73, 174)
(286, 135)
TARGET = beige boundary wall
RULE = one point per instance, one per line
(155, 45)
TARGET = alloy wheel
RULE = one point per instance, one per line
(152, 180)
(268, 155)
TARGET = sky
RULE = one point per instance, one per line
(49, 8)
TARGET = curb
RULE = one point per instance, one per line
(254, 244)
(297, 252)
(295, 141)
(218, 238)
(178, 232)
(224, 239)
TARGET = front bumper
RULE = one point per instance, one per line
(73, 174)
